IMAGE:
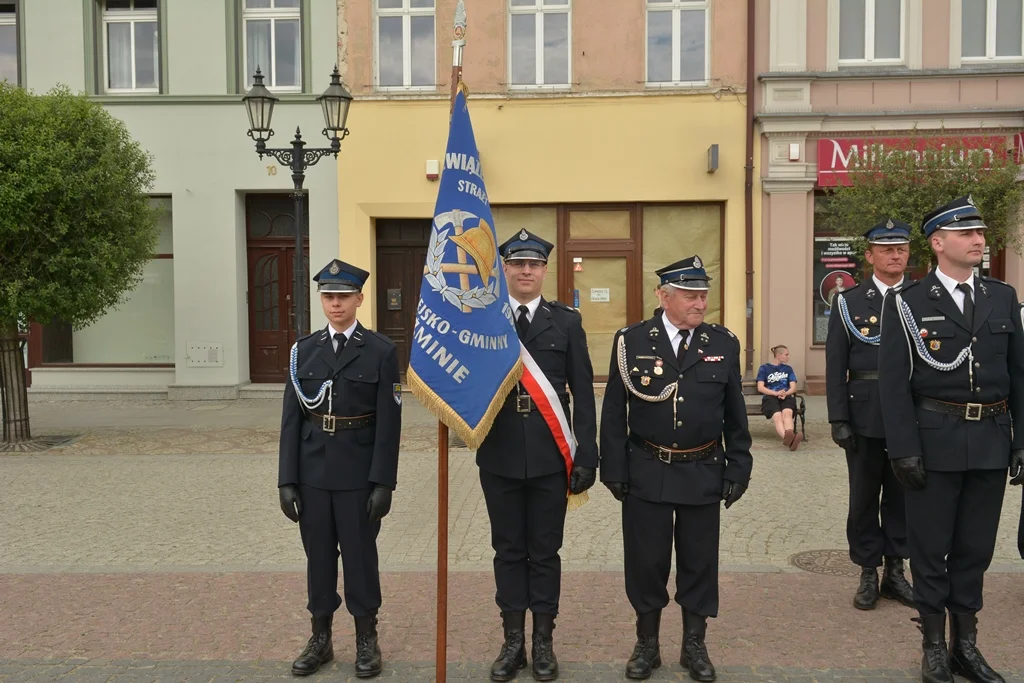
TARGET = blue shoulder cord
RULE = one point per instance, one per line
(306, 401)
(845, 314)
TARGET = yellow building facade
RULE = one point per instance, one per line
(622, 180)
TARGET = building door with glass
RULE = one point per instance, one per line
(270, 243)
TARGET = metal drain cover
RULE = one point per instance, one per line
(36, 445)
(831, 562)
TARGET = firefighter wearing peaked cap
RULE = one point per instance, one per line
(951, 382)
(523, 473)
(876, 526)
(673, 395)
(338, 463)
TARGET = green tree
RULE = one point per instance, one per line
(76, 226)
(910, 180)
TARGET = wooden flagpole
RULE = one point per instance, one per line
(441, 658)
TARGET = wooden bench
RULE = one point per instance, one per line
(753, 400)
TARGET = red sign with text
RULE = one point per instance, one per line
(837, 157)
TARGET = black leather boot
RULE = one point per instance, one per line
(368, 659)
(935, 662)
(545, 664)
(319, 650)
(894, 582)
(646, 654)
(512, 657)
(867, 593)
(694, 653)
(964, 657)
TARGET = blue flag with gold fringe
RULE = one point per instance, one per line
(465, 352)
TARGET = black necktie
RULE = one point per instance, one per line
(523, 322)
(681, 351)
(341, 339)
(968, 303)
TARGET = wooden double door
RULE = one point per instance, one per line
(401, 253)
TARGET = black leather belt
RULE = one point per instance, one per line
(332, 423)
(863, 374)
(670, 455)
(968, 411)
(524, 404)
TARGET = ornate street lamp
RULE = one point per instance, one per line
(259, 105)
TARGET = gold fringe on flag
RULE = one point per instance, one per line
(577, 500)
(446, 414)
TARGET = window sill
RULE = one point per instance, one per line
(875, 64)
(540, 88)
(411, 89)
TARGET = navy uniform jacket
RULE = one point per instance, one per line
(854, 400)
(708, 406)
(518, 447)
(949, 443)
(365, 381)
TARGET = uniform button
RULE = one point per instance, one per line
(675, 445)
(681, 399)
(978, 390)
(974, 339)
(977, 365)
(679, 423)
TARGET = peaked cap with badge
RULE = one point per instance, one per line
(338, 276)
(525, 246)
(959, 214)
(889, 231)
(686, 274)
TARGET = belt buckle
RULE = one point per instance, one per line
(523, 403)
(664, 455)
(973, 412)
(328, 423)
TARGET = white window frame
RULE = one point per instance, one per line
(539, 9)
(407, 12)
(869, 38)
(130, 16)
(990, 40)
(12, 20)
(676, 6)
(273, 14)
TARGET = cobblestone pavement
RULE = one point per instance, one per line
(151, 548)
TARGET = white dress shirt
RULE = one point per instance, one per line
(950, 285)
(882, 287)
(675, 335)
(348, 334)
(531, 308)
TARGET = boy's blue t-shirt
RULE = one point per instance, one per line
(776, 377)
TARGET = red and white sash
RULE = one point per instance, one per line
(545, 398)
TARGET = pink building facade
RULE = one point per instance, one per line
(835, 78)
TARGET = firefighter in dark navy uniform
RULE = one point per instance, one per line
(876, 525)
(338, 464)
(522, 472)
(673, 395)
(951, 381)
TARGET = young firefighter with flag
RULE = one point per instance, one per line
(466, 357)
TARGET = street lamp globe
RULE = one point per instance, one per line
(259, 104)
(335, 102)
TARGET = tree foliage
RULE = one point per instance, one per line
(909, 180)
(76, 225)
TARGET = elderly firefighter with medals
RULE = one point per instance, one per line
(529, 461)
(876, 525)
(951, 382)
(673, 396)
(338, 463)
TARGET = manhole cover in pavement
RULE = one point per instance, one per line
(36, 445)
(831, 562)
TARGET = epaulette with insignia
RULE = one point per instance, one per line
(311, 335)
(564, 307)
(905, 286)
(989, 278)
(721, 328)
(635, 325)
(383, 337)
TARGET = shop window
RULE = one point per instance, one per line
(8, 43)
(406, 55)
(131, 46)
(992, 30)
(677, 42)
(273, 42)
(539, 37)
(542, 221)
(870, 31)
(836, 267)
(138, 332)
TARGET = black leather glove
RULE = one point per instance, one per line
(732, 492)
(291, 504)
(1017, 467)
(581, 479)
(910, 472)
(619, 489)
(379, 504)
(843, 435)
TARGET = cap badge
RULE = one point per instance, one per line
(970, 200)
(523, 235)
(697, 263)
(334, 269)
(889, 225)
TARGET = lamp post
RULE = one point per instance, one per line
(259, 105)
